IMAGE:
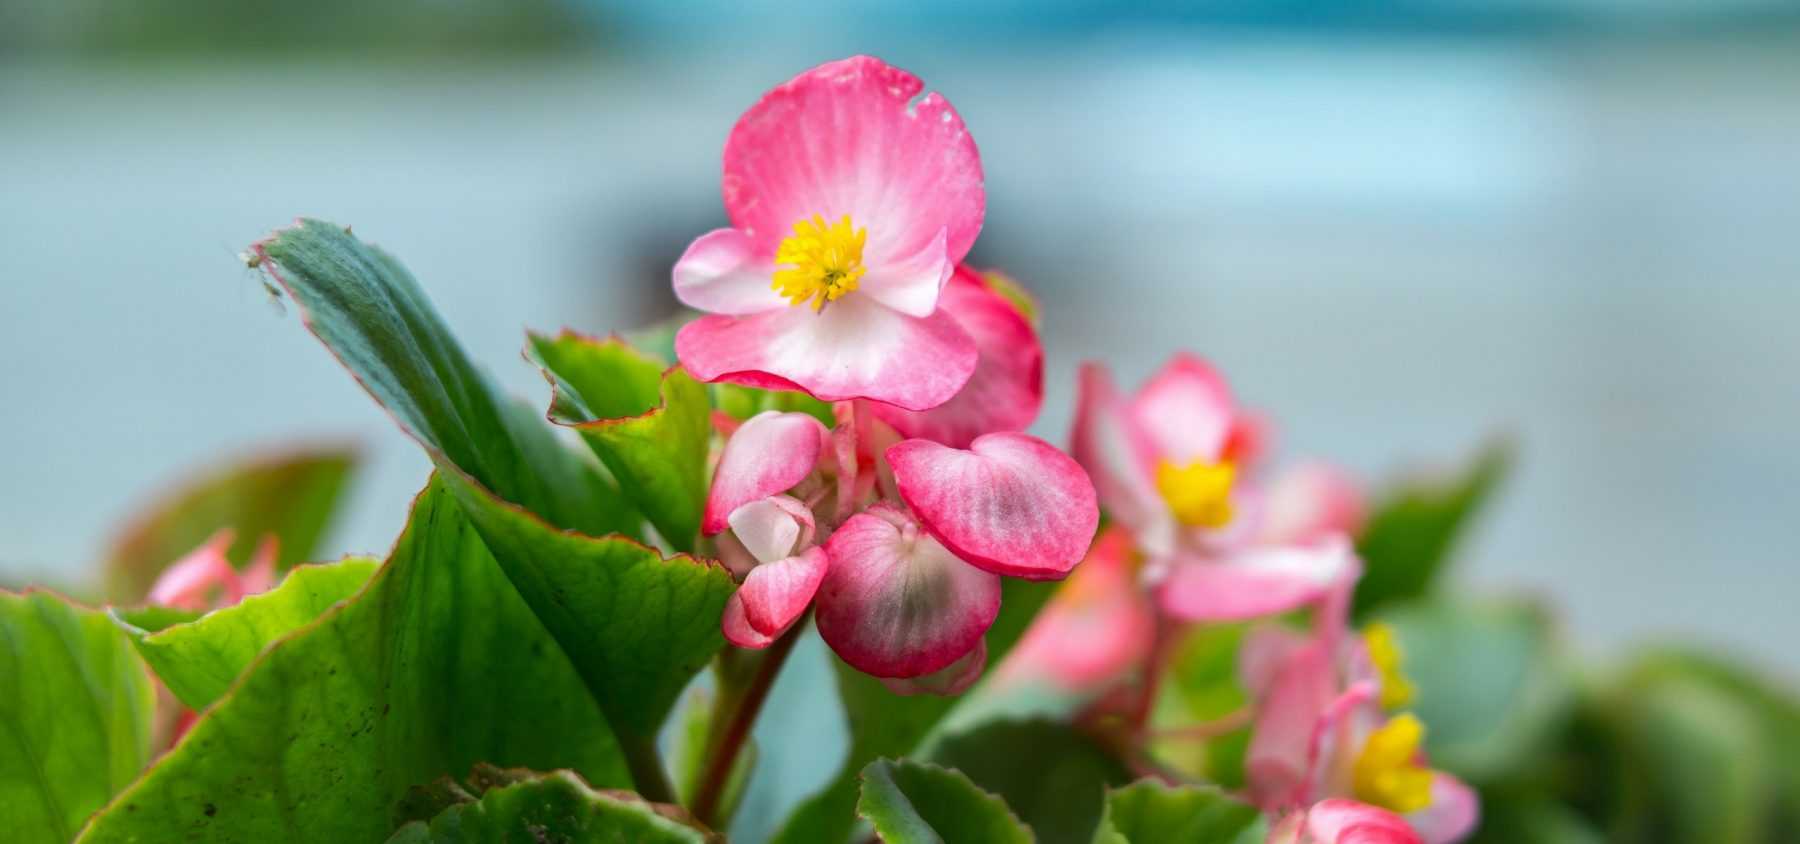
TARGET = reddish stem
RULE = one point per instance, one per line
(723, 753)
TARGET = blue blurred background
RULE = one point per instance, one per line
(1401, 227)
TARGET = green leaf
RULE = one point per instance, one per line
(1416, 524)
(1053, 777)
(917, 803)
(1151, 812)
(75, 716)
(650, 426)
(885, 724)
(198, 660)
(290, 495)
(1493, 688)
(636, 626)
(436, 665)
(1537, 821)
(555, 807)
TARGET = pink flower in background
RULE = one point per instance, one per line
(1171, 465)
(1097, 628)
(205, 578)
(1342, 822)
(1323, 731)
(851, 203)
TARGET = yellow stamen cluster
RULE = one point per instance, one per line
(1199, 493)
(820, 262)
(1387, 772)
(1389, 660)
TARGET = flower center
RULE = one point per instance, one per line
(1199, 493)
(1385, 653)
(1387, 772)
(820, 262)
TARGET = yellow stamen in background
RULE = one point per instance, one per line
(1389, 660)
(1387, 772)
(821, 262)
(1199, 493)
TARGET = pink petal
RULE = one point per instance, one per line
(769, 454)
(1007, 388)
(259, 576)
(953, 679)
(1266, 648)
(848, 138)
(1308, 501)
(1453, 813)
(775, 594)
(772, 528)
(720, 273)
(1119, 459)
(736, 626)
(199, 580)
(895, 602)
(1339, 821)
(1280, 759)
(911, 284)
(1011, 504)
(1338, 737)
(1186, 410)
(855, 348)
(1255, 582)
(1097, 628)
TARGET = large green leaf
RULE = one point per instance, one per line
(198, 660)
(289, 495)
(917, 803)
(650, 426)
(1493, 687)
(1152, 812)
(554, 807)
(1052, 776)
(885, 724)
(636, 626)
(1416, 525)
(75, 716)
(436, 665)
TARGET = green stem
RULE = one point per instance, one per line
(724, 747)
(646, 768)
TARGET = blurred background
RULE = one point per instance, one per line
(1401, 227)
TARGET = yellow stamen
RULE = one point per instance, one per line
(821, 262)
(1387, 772)
(1198, 493)
(1389, 660)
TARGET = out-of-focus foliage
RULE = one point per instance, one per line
(291, 496)
(1416, 524)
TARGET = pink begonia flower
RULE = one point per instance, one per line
(1095, 630)
(205, 578)
(851, 203)
(777, 531)
(1169, 463)
(907, 580)
(1342, 822)
(1007, 389)
(771, 453)
(1322, 731)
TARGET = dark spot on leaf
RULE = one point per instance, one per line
(210, 810)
